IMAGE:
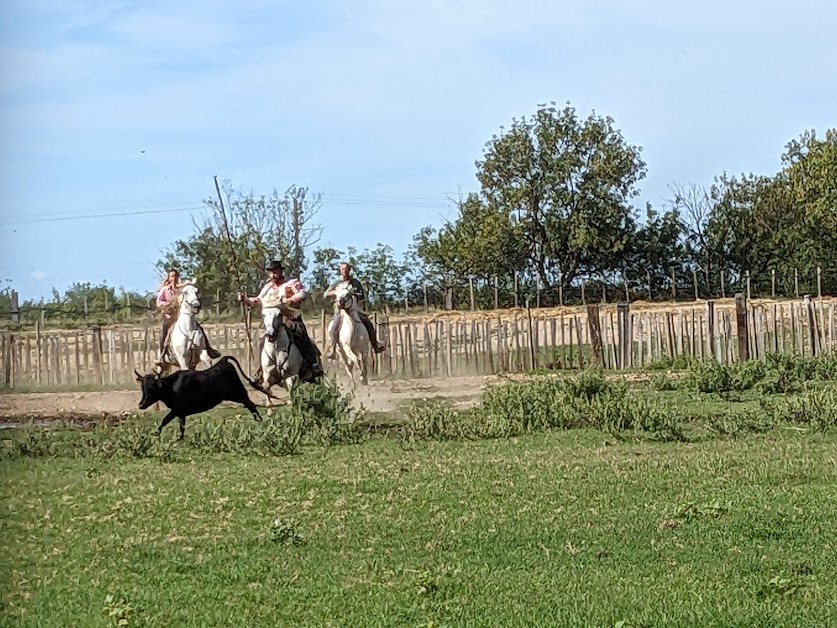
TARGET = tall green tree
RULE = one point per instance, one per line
(786, 222)
(567, 185)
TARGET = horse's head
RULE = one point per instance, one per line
(189, 301)
(344, 295)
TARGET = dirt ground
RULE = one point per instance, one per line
(379, 396)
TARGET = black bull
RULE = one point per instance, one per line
(192, 392)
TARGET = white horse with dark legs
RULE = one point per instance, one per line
(353, 339)
(281, 360)
(186, 346)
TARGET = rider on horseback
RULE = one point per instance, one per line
(289, 292)
(360, 295)
(167, 305)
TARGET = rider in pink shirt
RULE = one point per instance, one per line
(167, 306)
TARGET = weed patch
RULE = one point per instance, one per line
(514, 409)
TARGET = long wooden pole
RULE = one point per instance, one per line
(237, 267)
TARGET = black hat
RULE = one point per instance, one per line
(274, 265)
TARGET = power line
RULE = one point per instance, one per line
(110, 209)
(347, 200)
(59, 218)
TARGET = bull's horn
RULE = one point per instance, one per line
(139, 377)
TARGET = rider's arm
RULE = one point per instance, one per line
(360, 293)
(294, 293)
(251, 301)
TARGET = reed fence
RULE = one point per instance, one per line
(621, 336)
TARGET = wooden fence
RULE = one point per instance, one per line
(459, 343)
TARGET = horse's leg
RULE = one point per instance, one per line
(364, 368)
(348, 361)
(177, 345)
(290, 386)
(267, 367)
(204, 357)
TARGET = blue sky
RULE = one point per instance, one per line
(381, 105)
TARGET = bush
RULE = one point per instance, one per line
(778, 373)
(588, 400)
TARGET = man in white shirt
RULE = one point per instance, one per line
(290, 292)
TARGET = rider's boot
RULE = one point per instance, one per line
(312, 358)
(373, 336)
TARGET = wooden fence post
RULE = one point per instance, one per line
(749, 295)
(625, 341)
(742, 327)
(796, 282)
(38, 349)
(531, 337)
(813, 336)
(695, 281)
(8, 361)
(710, 324)
(496, 292)
(773, 283)
(516, 284)
(15, 307)
(723, 286)
(583, 286)
(595, 327)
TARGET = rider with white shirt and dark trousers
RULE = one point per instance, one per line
(360, 295)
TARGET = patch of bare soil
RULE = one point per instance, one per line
(379, 396)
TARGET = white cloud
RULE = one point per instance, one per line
(39, 275)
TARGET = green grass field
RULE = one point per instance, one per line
(551, 504)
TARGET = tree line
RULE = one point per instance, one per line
(555, 215)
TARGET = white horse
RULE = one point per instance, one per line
(186, 344)
(353, 339)
(281, 360)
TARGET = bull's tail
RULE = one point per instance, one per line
(256, 385)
